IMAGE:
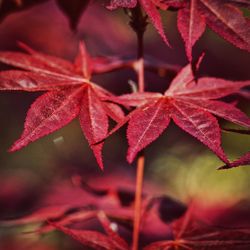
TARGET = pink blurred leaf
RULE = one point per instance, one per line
(191, 233)
(118, 241)
(88, 238)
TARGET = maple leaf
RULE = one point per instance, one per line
(150, 8)
(96, 239)
(92, 239)
(223, 17)
(190, 104)
(191, 233)
(66, 204)
(70, 94)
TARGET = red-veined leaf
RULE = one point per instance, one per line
(113, 111)
(28, 62)
(209, 88)
(223, 110)
(34, 81)
(66, 82)
(200, 124)
(185, 77)
(49, 113)
(191, 26)
(135, 99)
(181, 80)
(94, 122)
(227, 21)
(58, 64)
(82, 62)
(145, 126)
(151, 10)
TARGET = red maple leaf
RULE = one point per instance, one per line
(190, 104)
(95, 239)
(191, 233)
(70, 94)
(150, 7)
(223, 17)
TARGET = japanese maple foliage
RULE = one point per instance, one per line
(190, 104)
(70, 94)
(191, 233)
(150, 7)
(223, 17)
(193, 103)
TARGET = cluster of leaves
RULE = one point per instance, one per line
(223, 17)
(173, 223)
(70, 94)
(190, 102)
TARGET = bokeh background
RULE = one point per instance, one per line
(176, 163)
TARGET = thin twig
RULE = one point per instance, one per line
(138, 200)
(138, 23)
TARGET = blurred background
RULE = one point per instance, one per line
(177, 164)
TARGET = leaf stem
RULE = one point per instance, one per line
(138, 23)
(138, 200)
(140, 62)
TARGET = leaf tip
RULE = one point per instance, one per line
(15, 147)
(131, 156)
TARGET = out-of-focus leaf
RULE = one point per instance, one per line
(72, 9)
(191, 233)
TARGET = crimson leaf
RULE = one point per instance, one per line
(190, 104)
(70, 94)
(150, 7)
(223, 17)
